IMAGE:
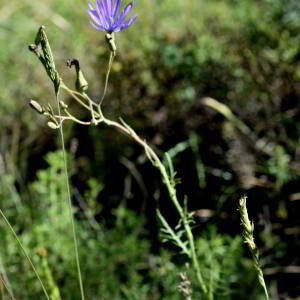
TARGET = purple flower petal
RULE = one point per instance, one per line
(97, 26)
(116, 7)
(96, 13)
(122, 16)
(94, 17)
(107, 15)
(128, 22)
(107, 7)
(128, 9)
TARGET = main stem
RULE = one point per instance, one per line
(70, 203)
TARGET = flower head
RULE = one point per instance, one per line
(107, 15)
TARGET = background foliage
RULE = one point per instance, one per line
(243, 53)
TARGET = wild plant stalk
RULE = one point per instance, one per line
(111, 58)
(82, 98)
(248, 229)
(46, 58)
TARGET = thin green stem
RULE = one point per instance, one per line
(194, 255)
(75, 95)
(70, 204)
(25, 254)
(111, 58)
(70, 117)
(91, 109)
(2, 280)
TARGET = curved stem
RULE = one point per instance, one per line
(111, 58)
(77, 96)
(91, 108)
(72, 118)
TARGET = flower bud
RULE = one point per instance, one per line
(52, 125)
(36, 106)
(81, 84)
(63, 105)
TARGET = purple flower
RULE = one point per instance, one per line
(107, 15)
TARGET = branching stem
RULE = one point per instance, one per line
(154, 159)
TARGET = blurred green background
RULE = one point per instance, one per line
(243, 53)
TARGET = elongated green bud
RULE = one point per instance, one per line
(81, 84)
(52, 125)
(36, 106)
(46, 56)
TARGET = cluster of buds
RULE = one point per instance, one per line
(54, 121)
(48, 112)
